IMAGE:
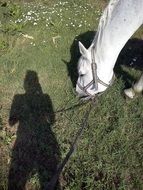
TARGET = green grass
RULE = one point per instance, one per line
(109, 153)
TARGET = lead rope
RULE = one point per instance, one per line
(52, 183)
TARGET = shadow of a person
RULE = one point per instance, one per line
(36, 149)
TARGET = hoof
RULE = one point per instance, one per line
(130, 93)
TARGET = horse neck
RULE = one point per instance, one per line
(118, 23)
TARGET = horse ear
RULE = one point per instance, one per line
(82, 49)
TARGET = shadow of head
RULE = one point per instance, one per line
(31, 83)
(131, 56)
(86, 39)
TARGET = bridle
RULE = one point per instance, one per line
(96, 80)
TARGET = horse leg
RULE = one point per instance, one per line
(136, 88)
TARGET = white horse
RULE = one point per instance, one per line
(119, 21)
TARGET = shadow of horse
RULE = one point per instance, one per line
(130, 56)
(36, 150)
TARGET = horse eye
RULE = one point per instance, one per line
(81, 75)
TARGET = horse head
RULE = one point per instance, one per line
(88, 83)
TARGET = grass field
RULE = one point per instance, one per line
(38, 58)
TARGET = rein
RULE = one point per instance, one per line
(52, 183)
